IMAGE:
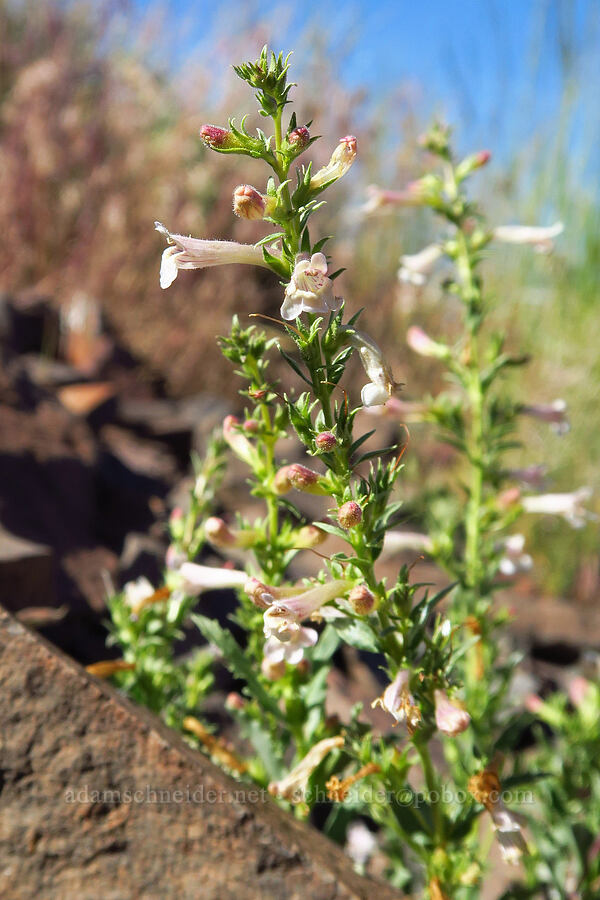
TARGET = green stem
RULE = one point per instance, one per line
(291, 222)
(431, 781)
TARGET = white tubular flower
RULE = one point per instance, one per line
(360, 843)
(309, 290)
(294, 786)
(380, 200)
(485, 787)
(197, 578)
(509, 834)
(554, 413)
(282, 619)
(539, 237)
(397, 541)
(419, 341)
(514, 559)
(291, 651)
(450, 718)
(569, 505)
(341, 159)
(194, 253)
(399, 702)
(415, 268)
(382, 384)
(136, 593)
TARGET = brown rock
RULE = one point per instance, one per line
(26, 572)
(100, 799)
(94, 400)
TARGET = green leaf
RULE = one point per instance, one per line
(332, 529)
(422, 610)
(375, 453)
(523, 778)
(260, 740)
(358, 633)
(327, 644)
(359, 441)
(315, 691)
(236, 661)
(294, 366)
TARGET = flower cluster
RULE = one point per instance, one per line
(441, 652)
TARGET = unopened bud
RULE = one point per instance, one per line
(258, 593)
(341, 159)
(177, 523)
(299, 477)
(578, 688)
(533, 704)
(248, 203)
(272, 670)
(472, 163)
(217, 138)
(236, 440)
(257, 395)
(298, 138)
(309, 536)
(219, 533)
(450, 718)
(509, 497)
(326, 441)
(422, 344)
(251, 426)
(362, 600)
(350, 514)
(436, 140)
(303, 667)
(234, 701)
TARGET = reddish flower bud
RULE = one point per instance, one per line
(299, 477)
(218, 532)
(533, 704)
(350, 514)
(362, 600)
(299, 138)
(472, 163)
(236, 440)
(257, 395)
(450, 718)
(272, 670)
(216, 137)
(234, 701)
(303, 667)
(578, 688)
(248, 203)
(509, 497)
(326, 441)
(251, 426)
(259, 593)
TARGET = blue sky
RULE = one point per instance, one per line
(497, 67)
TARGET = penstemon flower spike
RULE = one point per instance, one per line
(293, 628)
